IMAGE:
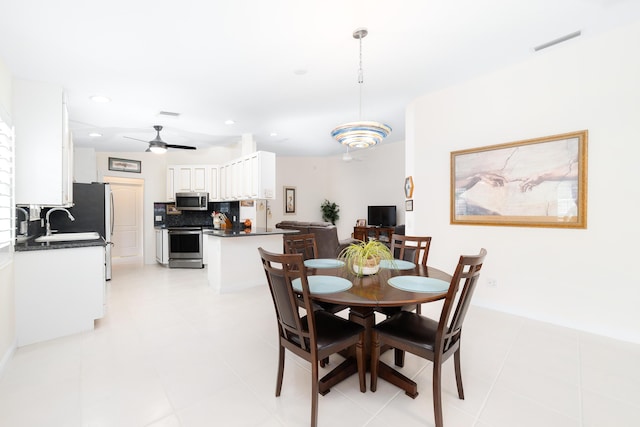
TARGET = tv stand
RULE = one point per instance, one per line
(373, 232)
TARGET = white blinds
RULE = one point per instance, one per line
(6, 192)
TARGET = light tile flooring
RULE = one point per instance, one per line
(172, 353)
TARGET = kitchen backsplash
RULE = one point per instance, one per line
(163, 216)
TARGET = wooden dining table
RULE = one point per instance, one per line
(365, 295)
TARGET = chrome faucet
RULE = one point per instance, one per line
(48, 222)
(24, 225)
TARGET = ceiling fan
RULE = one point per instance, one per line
(347, 157)
(158, 146)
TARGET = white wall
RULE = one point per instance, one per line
(84, 165)
(154, 172)
(578, 278)
(376, 179)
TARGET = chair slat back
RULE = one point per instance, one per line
(281, 270)
(304, 244)
(411, 248)
(465, 278)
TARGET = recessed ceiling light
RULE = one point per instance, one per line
(95, 134)
(100, 98)
(229, 122)
(273, 134)
(300, 72)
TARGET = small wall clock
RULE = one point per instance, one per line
(408, 187)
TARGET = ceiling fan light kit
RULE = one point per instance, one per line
(363, 133)
(158, 146)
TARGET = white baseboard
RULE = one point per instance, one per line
(7, 356)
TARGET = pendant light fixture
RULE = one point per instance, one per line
(360, 134)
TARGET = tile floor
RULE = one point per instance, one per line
(161, 357)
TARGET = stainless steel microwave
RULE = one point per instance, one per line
(192, 201)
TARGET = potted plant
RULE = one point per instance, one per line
(363, 258)
(330, 211)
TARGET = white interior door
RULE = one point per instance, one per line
(128, 223)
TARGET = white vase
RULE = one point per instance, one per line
(366, 270)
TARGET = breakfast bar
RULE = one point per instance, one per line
(233, 262)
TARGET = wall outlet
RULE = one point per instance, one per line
(492, 283)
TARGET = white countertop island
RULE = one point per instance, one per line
(233, 261)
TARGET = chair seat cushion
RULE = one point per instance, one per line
(410, 327)
(332, 330)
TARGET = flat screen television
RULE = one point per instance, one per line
(382, 216)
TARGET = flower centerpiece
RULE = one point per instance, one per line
(363, 258)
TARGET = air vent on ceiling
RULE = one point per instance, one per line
(558, 40)
(168, 113)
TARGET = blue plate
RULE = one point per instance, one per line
(323, 263)
(419, 284)
(397, 264)
(323, 284)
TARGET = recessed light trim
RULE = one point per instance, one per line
(95, 135)
(229, 122)
(100, 99)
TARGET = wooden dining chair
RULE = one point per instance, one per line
(313, 335)
(305, 244)
(411, 248)
(408, 248)
(434, 340)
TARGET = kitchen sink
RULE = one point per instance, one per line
(21, 238)
(66, 237)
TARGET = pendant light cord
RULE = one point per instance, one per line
(360, 79)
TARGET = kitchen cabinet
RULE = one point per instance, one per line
(249, 177)
(214, 179)
(43, 145)
(162, 246)
(191, 178)
(58, 292)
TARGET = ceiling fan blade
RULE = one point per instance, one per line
(184, 147)
(143, 140)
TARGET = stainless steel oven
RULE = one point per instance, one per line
(185, 247)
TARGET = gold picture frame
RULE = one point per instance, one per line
(539, 182)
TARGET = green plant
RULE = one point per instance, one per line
(330, 211)
(363, 257)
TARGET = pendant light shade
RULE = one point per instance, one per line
(363, 133)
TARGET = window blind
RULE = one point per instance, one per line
(7, 175)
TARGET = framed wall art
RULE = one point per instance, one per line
(408, 187)
(538, 182)
(289, 200)
(408, 205)
(124, 165)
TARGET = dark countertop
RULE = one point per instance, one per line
(32, 245)
(242, 233)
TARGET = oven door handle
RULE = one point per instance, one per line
(185, 232)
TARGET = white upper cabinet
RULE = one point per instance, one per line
(248, 177)
(43, 145)
(192, 178)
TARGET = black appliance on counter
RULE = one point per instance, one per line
(185, 247)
